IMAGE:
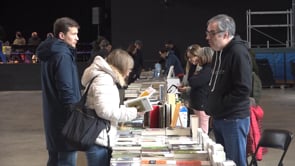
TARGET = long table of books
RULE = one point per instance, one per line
(166, 147)
(166, 135)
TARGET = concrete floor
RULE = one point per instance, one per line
(22, 137)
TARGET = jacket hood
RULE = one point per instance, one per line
(236, 40)
(99, 67)
(50, 47)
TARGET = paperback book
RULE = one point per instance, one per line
(141, 103)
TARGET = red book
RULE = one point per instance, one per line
(154, 117)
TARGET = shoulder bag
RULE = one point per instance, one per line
(83, 125)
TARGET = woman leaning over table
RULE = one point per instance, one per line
(198, 79)
(103, 96)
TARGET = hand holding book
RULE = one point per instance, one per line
(142, 104)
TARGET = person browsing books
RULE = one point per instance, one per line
(230, 87)
(103, 96)
(199, 60)
(171, 60)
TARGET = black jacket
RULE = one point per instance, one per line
(199, 88)
(231, 82)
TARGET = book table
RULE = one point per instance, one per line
(166, 147)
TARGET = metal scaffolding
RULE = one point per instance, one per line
(288, 25)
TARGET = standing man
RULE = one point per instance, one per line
(139, 53)
(138, 58)
(171, 60)
(170, 45)
(60, 87)
(230, 87)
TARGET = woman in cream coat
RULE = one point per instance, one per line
(103, 96)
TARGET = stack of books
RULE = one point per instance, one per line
(152, 147)
(154, 150)
(127, 149)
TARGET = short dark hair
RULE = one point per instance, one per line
(139, 42)
(104, 43)
(169, 42)
(63, 24)
(163, 50)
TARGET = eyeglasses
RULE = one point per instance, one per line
(213, 33)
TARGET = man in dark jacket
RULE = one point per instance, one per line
(60, 87)
(171, 60)
(230, 87)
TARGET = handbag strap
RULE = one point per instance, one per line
(84, 96)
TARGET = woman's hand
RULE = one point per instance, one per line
(181, 88)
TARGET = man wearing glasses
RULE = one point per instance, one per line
(230, 86)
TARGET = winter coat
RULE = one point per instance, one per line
(256, 87)
(255, 130)
(60, 88)
(103, 96)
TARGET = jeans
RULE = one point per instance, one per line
(97, 155)
(62, 158)
(232, 134)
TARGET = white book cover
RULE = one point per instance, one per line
(142, 104)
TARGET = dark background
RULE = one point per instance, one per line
(123, 21)
(29, 16)
(182, 21)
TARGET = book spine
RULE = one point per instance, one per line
(189, 162)
(175, 114)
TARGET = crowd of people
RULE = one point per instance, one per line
(216, 81)
(20, 50)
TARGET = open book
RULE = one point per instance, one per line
(141, 103)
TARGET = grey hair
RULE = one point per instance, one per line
(224, 23)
